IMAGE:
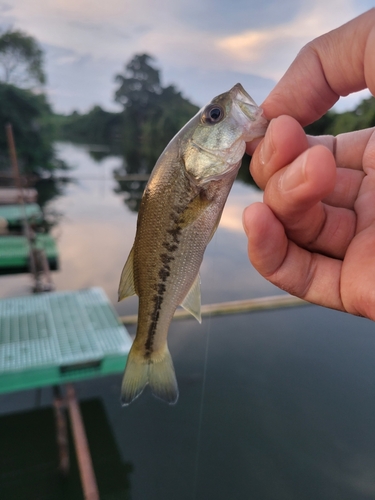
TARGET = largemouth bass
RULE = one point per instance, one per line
(179, 213)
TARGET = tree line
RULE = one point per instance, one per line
(151, 113)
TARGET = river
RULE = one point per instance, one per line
(273, 405)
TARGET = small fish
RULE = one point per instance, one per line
(179, 213)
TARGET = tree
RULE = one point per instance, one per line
(21, 60)
(26, 112)
(95, 127)
(332, 123)
(152, 115)
(140, 83)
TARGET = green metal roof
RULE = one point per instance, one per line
(15, 214)
(14, 252)
(57, 337)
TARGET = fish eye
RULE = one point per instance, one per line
(213, 113)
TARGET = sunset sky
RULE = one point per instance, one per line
(202, 46)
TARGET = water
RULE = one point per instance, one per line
(273, 405)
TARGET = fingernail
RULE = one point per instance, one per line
(267, 148)
(295, 174)
(244, 223)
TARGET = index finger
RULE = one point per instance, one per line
(333, 65)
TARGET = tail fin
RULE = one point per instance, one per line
(158, 371)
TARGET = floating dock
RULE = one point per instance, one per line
(16, 214)
(14, 195)
(15, 252)
(58, 337)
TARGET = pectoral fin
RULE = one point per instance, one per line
(126, 287)
(192, 301)
(194, 210)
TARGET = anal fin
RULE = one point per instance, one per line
(126, 287)
(192, 301)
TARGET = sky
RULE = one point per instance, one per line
(203, 47)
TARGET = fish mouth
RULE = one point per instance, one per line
(245, 102)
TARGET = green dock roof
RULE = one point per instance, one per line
(15, 251)
(56, 337)
(15, 214)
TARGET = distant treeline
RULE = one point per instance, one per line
(332, 123)
(145, 136)
(151, 116)
(151, 113)
(29, 114)
(95, 127)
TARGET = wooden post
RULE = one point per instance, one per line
(13, 158)
(37, 259)
(86, 470)
(17, 179)
(61, 431)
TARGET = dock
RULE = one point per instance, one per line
(16, 214)
(56, 339)
(59, 337)
(13, 196)
(15, 252)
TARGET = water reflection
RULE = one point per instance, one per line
(133, 189)
(32, 434)
(273, 405)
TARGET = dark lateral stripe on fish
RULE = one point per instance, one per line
(161, 289)
(171, 247)
(175, 233)
(158, 300)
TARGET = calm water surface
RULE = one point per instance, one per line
(273, 405)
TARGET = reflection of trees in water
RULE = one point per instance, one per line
(49, 189)
(134, 188)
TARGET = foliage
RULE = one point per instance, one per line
(152, 115)
(25, 111)
(139, 84)
(21, 60)
(21, 69)
(95, 127)
(321, 126)
(337, 123)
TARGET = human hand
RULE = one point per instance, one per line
(314, 233)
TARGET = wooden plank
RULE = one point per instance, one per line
(61, 431)
(12, 195)
(86, 469)
(234, 307)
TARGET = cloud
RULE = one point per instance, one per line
(200, 46)
(5, 7)
(222, 17)
(272, 49)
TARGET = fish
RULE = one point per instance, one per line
(179, 213)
